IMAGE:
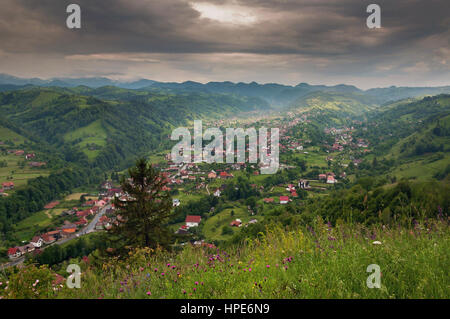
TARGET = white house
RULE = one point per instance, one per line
(330, 180)
(193, 220)
(37, 241)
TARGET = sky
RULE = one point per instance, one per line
(267, 41)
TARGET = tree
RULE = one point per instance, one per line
(146, 210)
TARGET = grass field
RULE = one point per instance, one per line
(93, 133)
(213, 225)
(324, 263)
(421, 169)
(20, 176)
(9, 135)
(27, 228)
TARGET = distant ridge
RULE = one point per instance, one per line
(277, 95)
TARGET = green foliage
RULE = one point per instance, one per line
(145, 211)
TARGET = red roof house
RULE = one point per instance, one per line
(284, 199)
(193, 220)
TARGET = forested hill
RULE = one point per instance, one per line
(277, 95)
(109, 125)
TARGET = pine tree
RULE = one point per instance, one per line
(143, 216)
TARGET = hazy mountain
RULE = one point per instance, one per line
(277, 95)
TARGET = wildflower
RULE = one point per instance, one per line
(168, 265)
(195, 289)
(121, 289)
(162, 274)
(184, 291)
(149, 293)
(376, 242)
(141, 269)
(268, 266)
(249, 269)
(156, 269)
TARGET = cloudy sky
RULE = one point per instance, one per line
(283, 41)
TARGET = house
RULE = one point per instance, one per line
(217, 193)
(22, 250)
(8, 185)
(68, 232)
(322, 176)
(84, 213)
(330, 180)
(284, 199)
(37, 164)
(294, 194)
(48, 239)
(51, 205)
(19, 153)
(290, 188)
(103, 222)
(193, 220)
(37, 241)
(100, 203)
(31, 155)
(54, 233)
(236, 223)
(225, 175)
(175, 202)
(106, 185)
(14, 253)
(268, 200)
(29, 248)
(81, 222)
(88, 203)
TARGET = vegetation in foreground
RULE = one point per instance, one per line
(315, 262)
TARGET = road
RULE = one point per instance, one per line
(86, 230)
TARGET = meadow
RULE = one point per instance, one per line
(317, 262)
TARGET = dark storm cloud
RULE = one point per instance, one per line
(329, 38)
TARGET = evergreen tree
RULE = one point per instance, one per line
(143, 216)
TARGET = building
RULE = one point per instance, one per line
(330, 180)
(236, 223)
(225, 175)
(48, 239)
(14, 253)
(217, 193)
(37, 241)
(284, 199)
(175, 202)
(268, 200)
(212, 174)
(8, 185)
(193, 220)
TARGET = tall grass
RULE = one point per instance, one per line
(316, 262)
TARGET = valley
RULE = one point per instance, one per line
(344, 158)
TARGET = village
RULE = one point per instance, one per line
(325, 167)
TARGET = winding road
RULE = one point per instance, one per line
(86, 230)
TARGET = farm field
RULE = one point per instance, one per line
(20, 175)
